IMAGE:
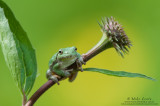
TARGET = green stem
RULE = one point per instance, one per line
(102, 45)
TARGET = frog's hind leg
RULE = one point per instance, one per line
(54, 78)
(73, 76)
(51, 76)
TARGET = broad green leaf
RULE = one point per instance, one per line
(18, 52)
(118, 73)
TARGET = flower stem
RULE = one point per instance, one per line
(102, 45)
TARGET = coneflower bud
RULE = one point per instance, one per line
(113, 36)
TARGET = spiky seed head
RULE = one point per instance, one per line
(116, 35)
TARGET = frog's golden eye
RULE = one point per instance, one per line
(60, 51)
(75, 48)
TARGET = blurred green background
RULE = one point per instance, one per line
(55, 24)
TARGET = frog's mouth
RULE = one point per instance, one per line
(68, 57)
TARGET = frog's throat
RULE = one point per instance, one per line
(68, 62)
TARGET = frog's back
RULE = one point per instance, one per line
(52, 59)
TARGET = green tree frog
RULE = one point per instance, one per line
(59, 63)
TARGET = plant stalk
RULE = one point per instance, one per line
(102, 45)
(39, 92)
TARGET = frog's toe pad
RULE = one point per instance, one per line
(54, 79)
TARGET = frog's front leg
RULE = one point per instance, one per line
(80, 62)
(51, 76)
(63, 72)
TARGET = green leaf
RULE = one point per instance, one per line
(18, 52)
(118, 73)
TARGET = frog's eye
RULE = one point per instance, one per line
(60, 51)
(75, 48)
